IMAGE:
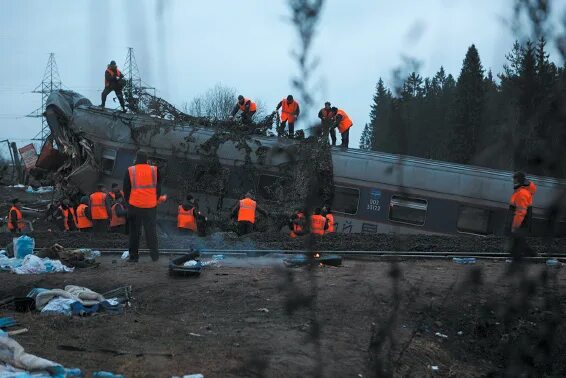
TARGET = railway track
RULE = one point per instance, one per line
(346, 254)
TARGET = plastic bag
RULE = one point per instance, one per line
(23, 246)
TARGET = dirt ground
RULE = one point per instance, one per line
(366, 318)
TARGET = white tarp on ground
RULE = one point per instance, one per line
(12, 355)
(76, 293)
(32, 264)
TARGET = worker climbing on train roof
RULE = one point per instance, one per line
(326, 116)
(15, 217)
(100, 208)
(297, 223)
(318, 223)
(186, 215)
(119, 214)
(115, 190)
(113, 81)
(84, 219)
(245, 211)
(66, 216)
(290, 111)
(343, 123)
(247, 107)
(520, 204)
(327, 213)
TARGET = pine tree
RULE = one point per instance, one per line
(469, 106)
(381, 135)
(365, 139)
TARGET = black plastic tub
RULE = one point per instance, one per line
(24, 304)
(176, 267)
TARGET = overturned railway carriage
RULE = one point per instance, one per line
(371, 192)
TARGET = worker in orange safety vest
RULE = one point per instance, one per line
(290, 111)
(245, 211)
(520, 204)
(142, 189)
(343, 122)
(113, 81)
(118, 214)
(115, 190)
(297, 224)
(326, 116)
(84, 220)
(15, 218)
(67, 216)
(186, 215)
(247, 107)
(318, 223)
(100, 207)
(327, 213)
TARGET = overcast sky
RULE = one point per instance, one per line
(185, 47)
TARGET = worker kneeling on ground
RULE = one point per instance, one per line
(318, 223)
(15, 218)
(113, 81)
(521, 203)
(343, 123)
(67, 216)
(142, 189)
(247, 107)
(100, 208)
(327, 213)
(119, 214)
(246, 210)
(297, 223)
(290, 111)
(186, 216)
(326, 116)
(84, 220)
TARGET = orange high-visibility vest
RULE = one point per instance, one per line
(116, 221)
(113, 195)
(521, 201)
(345, 123)
(19, 219)
(82, 220)
(98, 206)
(112, 74)
(143, 178)
(247, 210)
(330, 221)
(297, 227)
(186, 219)
(66, 213)
(253, 106)
(317, 224)
(327, 113)
(288, 110)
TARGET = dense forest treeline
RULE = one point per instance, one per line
(515, 122)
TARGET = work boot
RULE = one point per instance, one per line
(133, 260)
(101, 106)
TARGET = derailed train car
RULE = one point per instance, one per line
(371, 192)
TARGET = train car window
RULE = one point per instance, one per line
(473, 220)
(346, 200)
(270, 186)
(108, 160)
(408, 210)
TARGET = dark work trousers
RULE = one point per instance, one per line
(85, 229)
(345, 138)
(118, 92)
(138, 217)
(328, 129)
(118, 229)
(291, 129)
(333, 136)
(100, 226)
(245, 227)
(247, 117)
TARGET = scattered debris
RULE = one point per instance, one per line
(13, 359)
(263, 309)
(460, 333)
(434, 368)
(125, 255)
(195, 334)
(552, 262)
(178, 267)
(17, 332)
(105, 374)
(40, 190)
(441, 335)
(189, 376)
